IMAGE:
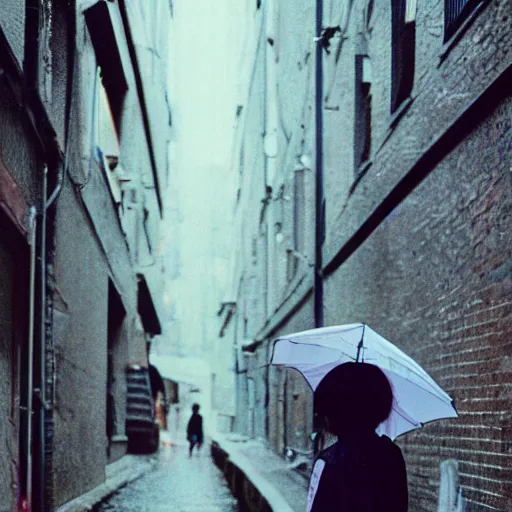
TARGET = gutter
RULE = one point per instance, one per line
(30, 355)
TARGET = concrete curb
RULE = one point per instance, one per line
(265, 488)
(118, 474)
(272, 496)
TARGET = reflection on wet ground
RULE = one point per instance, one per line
(177, 483)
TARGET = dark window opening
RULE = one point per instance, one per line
(101, 29)
(258, 4)
(299, 214)
(242, 159)
(455, 13)
(363, 112)
(116, 314)
(61, 44)
(116, 94)
(367, 136)
(31, 50)
(403, 42)
(292, 264)
(254, 250)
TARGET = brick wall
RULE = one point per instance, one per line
(435, 278)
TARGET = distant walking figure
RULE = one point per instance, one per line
(195, 429)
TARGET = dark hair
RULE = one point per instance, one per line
(354, 397)
(195, 408)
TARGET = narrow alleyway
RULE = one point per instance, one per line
(178, 484)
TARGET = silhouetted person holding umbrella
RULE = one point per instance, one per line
(195, 429)
(361, 472)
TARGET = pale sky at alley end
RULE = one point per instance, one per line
(207, 49)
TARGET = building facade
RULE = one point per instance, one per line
(85, 129)
(373, 165)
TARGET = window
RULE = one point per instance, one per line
(103, 37)
(363, 112)
(455, 13)
(291, 264)
(299, 224)
(299, 214)
(62, 32)
(403, 40)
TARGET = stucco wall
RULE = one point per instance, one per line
(90, 245)
(7, 353)
(82, 285)
(17, 147)
(12, 20)
(18, 159)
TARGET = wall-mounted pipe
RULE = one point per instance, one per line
(30, 354)
(319, 175)
(42, 348)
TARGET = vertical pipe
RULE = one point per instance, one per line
(319, 178)
(30, 355)
(318, 285)
(42, 353)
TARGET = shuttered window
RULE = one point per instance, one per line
(455, 12)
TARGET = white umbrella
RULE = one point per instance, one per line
(417, 397)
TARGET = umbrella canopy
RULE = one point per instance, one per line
(417, 399)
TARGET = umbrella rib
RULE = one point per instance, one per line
(419, 375)
(312, 344)
(406, 417)
(448, 401)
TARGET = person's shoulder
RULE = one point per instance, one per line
(389, 447)
(330, 454)
(386, 441)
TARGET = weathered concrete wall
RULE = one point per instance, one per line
(7, 360)
(93, 247)
(82, 286)
(12, 20)
(250, 236)
(20, 162)
(17, 147)
(152, 56)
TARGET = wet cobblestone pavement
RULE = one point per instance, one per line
(177, 483)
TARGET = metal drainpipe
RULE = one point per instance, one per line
(318, 286)
(42, 349)
(319, 181)
(30, 370)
